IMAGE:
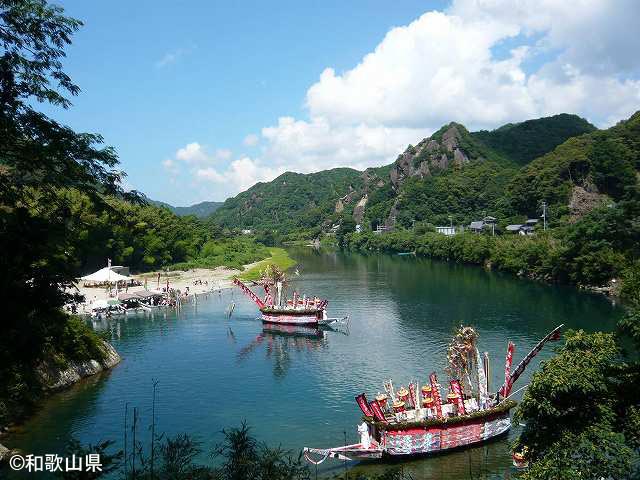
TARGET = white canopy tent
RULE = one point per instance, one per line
(105, 275)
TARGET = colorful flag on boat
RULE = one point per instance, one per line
(412, 395)
(482, 381)
(457, 390)
(378, 414)
(364, 405)
(553, 336)
(435, 391)
(506, 387)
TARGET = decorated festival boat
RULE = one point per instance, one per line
(424, 418)
(275, 307)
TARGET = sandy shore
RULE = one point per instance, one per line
(198, 281)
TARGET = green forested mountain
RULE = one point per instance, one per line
(291, 201)
(148, 237)
(591, 185)
(522, 142)
(453, 173)
(582, 172)
(200, 210)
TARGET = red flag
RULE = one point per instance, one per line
(554, 335)
(377, 411)
(364, 405)
(506, 387)
(412, 395)
(457, 389)
(435, 391)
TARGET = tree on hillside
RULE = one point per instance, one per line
(39, 159)
(347, 225)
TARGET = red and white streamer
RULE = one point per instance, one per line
(435, 391)
(457, 390)
(506, 386)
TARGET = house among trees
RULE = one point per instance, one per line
(525, 229)
(446, 230)
(382, 229)
(477, 227)
(490, 222)
(487, 222)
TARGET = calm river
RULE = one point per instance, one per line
(298, 389)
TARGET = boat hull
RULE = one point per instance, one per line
(424, 440)
(291, 317)
(419, 440)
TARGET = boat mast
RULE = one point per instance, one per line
(279, 293)
(249, 293)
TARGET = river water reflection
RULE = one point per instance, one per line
(297, 388)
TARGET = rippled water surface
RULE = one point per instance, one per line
(297, 388)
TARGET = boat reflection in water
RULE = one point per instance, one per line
(281, 341)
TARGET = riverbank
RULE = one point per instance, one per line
(193, 282)
(196, 281)
(55, 374)
(279, 257)
(545, 257)
(60, 370)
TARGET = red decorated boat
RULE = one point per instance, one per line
(276, 308)
(418, 419)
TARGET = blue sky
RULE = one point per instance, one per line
(176, 88)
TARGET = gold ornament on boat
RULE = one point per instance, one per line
(461, 355)
(403, 393)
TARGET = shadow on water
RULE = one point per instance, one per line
(280, 342)
(60, 412)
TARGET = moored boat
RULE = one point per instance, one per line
(276, 308)
(418, 419)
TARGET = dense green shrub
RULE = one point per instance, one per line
(581, 410)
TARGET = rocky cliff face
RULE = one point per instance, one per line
(438, 152)
(451, 146)
(4, 454)
(358, 210)
(54, 378)
(585, 198)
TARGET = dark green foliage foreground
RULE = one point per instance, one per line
(240, 456)
(582, 409)
(38, 159)
(63, 211)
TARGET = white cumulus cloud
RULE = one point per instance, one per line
(306, 146)
(482, 63)
(191, 153)
(443, 67)
(239, 175)
(194, 153)
(251, 140)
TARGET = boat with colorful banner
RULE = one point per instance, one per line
(418, 419)
(276, 308)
